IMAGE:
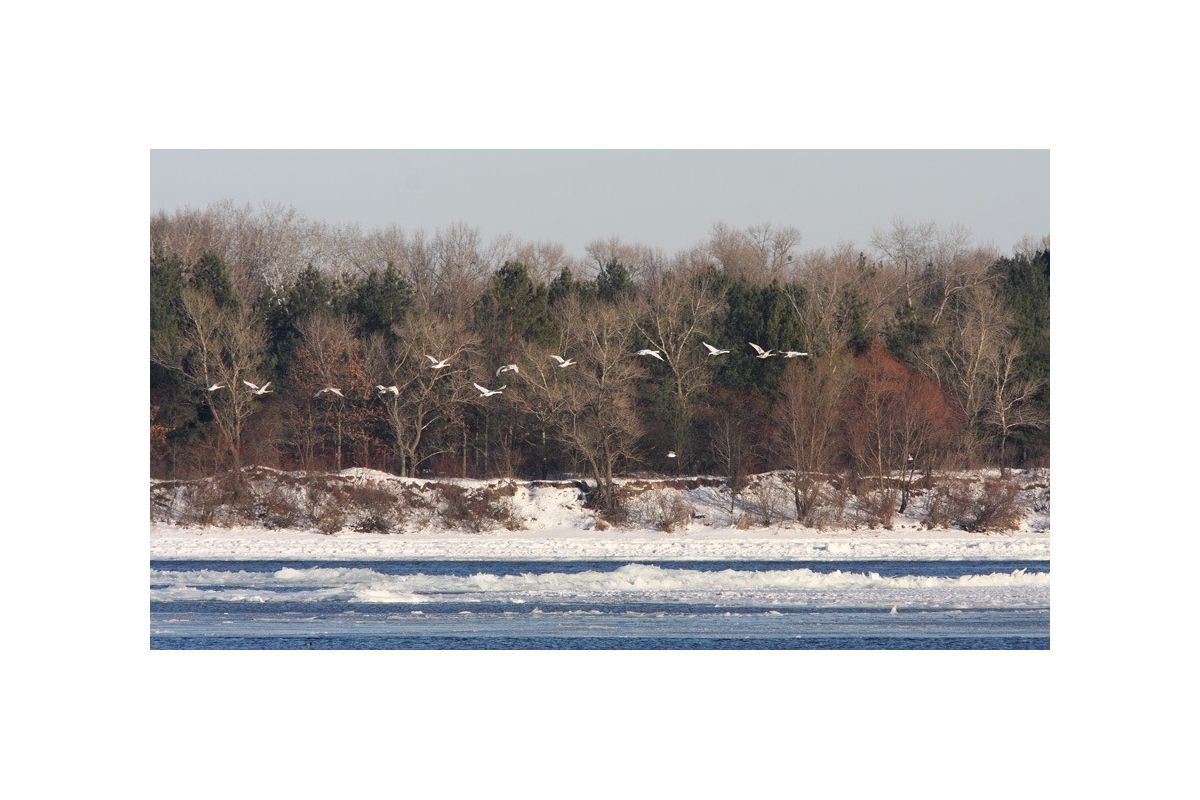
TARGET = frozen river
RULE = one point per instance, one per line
(540, 604)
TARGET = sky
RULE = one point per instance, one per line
(663, 198)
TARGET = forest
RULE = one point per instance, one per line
(921, 351)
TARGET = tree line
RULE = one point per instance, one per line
(925, 351)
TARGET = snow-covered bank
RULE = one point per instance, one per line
(369, 515)
(700, 544)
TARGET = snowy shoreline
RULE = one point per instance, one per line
(547, 521)
(169, 542)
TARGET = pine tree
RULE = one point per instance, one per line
(851, 318)
(765, 315)
(514, 308)
(1026, 291)
(906, 333)
(381, 300)
(613, 283)
(211, 275)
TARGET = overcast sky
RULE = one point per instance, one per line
(665, 198)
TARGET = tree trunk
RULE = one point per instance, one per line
(339, 443)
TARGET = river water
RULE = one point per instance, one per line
(553, 605)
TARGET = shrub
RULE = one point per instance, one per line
(329, 519)
(996, 508)
(479, 509)
(278, 508)
(828, 508)
(377, 509)
(672, 511)
(877, 508)
(949, 504)
(766, 495)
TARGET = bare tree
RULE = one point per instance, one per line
(965, 354)
(734, 427)
(809, 413)
(590, 406)
(909, 246)
(423, 396)
(1011, 405)
(330, 355)
(759, 253)
(217, 350)
(678, 310)
(896, 418)
(643, 262)
(544, 260)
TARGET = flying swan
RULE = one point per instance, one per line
(763, 353)
(486, 392)
(563, 363)
(435, 364)
(258, 389)
(653, 353)
(714, 351)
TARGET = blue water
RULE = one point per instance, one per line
(580, 605)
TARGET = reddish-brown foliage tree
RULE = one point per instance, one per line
(897, 421)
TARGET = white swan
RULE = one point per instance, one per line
(653, 353)
(385, 389)
(563, 362)
(670, 454)
(214, 387)
(763, 353)
(507, 368)
(486, 392)
(714, 351)
(792, 353)
(258, 389)
(894, 611)
(332, 389)
(435, 364)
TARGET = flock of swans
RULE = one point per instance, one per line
(435, 363)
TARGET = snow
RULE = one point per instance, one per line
(629, 583)
(169, 542)
(555, 525)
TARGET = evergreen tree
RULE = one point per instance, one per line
(1025, 286)
(210, 274)
(168, 392)
(613, 283)
(1026, 290)
(514, 308)
(381, 300)
(311, 294)
(906, 333)
(766, 316)
(166, 287)
(851, 319)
